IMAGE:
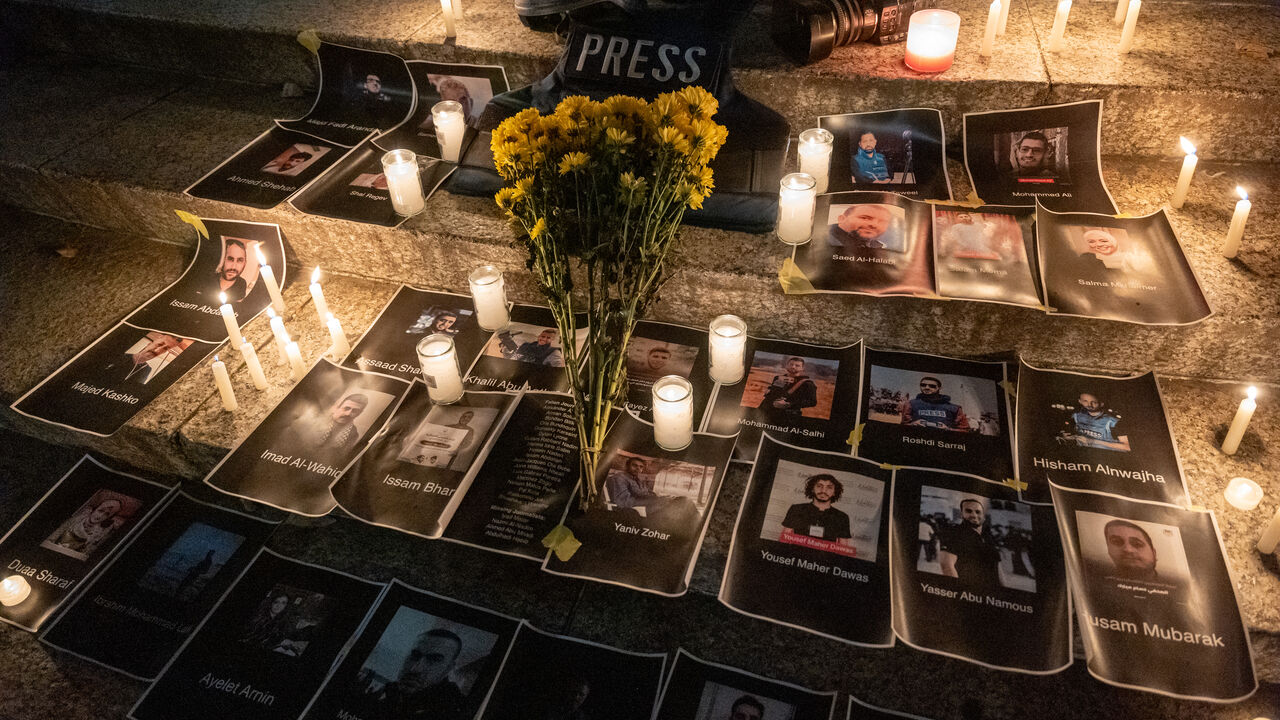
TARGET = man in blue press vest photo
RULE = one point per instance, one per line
(869, 166)
(1095, 425)
(930, 408)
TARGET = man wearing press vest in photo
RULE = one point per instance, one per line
(1094, 425)
(930, 408)
(789, 394)
(967, 551)
(818, 518)
(869, 166)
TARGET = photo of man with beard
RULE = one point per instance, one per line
(930, 408)
(228, 277)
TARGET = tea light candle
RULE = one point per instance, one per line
(269, 279)
(449, 123)
(489, 292)
(815, 154)
(223, 381)
(404, 182)
(229, 319)
(13, 590)
(340, 346)
(796, 197)
(1240, 422)
(450, 21)
(255, 368)
(281, 335)
(1004, 17)
(1270, 536)
(993, 24)
(1184, 177)
(439, 362)
(297, 369)
(1243, 493)
(1235, 232)
(728, 344)
(672, 412)
(1130, 25)
(931, 40)
(317, 296)
(1059, 26)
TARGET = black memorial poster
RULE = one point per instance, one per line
(658, 349)
(135, 615)
(419, 655)
(66, 536)
(1094, 432)
(1049, 153)
(647, 526)
(1154, 597)
(389, 345)
(811, 546)
(413, 475)
(304, 443)
(471, 86)
(870, 243)
(802, 394)
(275, 165)
(361, 92)
(553, 676)
(986, 253)
(1117, 268)
(859, 710)
(522, 488)
(978, 575)
(528, 350)
(266, 647)
(901, 151)
(710, 691)
(933, 411)
(356, 188)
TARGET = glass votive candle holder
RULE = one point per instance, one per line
(728, 344)
(449, 123)
(404, 183)
(439, 361)
(814, 151)
(672, 412)
(797, 195)
(931, 40)
(489, 292)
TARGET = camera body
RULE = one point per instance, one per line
(809, 30)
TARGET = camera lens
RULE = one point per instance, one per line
(808, 30)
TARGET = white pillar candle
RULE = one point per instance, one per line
(1184, 177)
(223, 381)
(450, 22)
(931, 40)
(1059, 26)
(672, 412)
(993, 24)
(229, 319)
(1122, 7)
(439, 362)
(449, 123)
(281, 335)
(1240, 422)
(814, 151)
(1130, 25)
(1004, 17)
(489, 293)
(255, 368)
(13, 590)
(457, 9)
(728, 345)
(269, 279)
(297, 369)
(1235, 232)
(404, 182)
(317, 296)
(1270, 536)
(1243, 493)
(796, 197)
(340, 346)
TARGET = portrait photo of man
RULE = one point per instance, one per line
(789, 394)
(819, 518)
(967, 551)
(143, 360)
(1095, 425)
(746, 708)
(931, 408)
(295, 159)
(868, 165)
(1131, 559)
(1034, 156)
(230, 277)
(422, 688)
(93, 525)
(529, 344)
(329, 434)
(436, 319)
(1132, 553)
(866, 227)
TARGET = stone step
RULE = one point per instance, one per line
(1199, 69)
(112, 148)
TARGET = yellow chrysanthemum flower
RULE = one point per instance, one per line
(522, 188)
(674, 138)
(506, 199)
(697, 102)
(618, 137)
(538, 229)
(574, 162)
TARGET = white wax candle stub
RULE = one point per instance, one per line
(439, 361)
(1270, 536)
(281, 335)
(255, 368)
(229, 320)
(298, 370)
(1184, 177)
(989, 34)
(728, 342)
(672, 412)
(1235, 232)
(489, 292)
(340, 346)
(450, 123)
(317, 296)
(269, 279)
(223, 381)
(1240, 422)
(1059, 26)
(457, 9)
(450, 18)
(814, 151)
(1004, 17)
(1130, 26)
(1122, 7)
(13, 590)
(404, 182)
(797, 196)
(1243, 493)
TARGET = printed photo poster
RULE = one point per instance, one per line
(361, 92)
(135, 615)
(308, 439)
(554, 676)
(266, 647)
(419, 655)
(1050, 154)
(869, 243)
(657, 349)
(701, 690)
(1093, 432)
(934, 411)
(275, 165)
(986, 253)
(859, 710)
(70, 532)
(523, 486)
(389, 345)
(528, 350)
(651, 513)
(801, 394)
(1149, 622)
(413, 475)
(811, 546)
(901, 151)
(472, 86)
(1127, 269)
(356, 188)
(967, 557)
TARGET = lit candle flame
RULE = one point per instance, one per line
(215, 358)
(1240, 191)
(222, 298)
(1187, 147)
(315, 275)
(1252, 392)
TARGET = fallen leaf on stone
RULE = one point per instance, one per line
(67, 252)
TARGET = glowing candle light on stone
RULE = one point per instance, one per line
(931, 40)
(449, 123)
(404, 182)
(728, 343)
(13, 590)
(223, 381)
(317, 296)
(340, 346)
(297, 368)
(439, 362)
(796, 197)
(1059, 26)
(1243, 493)
(255, 368)
(1240, 422)
(281, 335)
(1270, 536)
(1130, 26)
(229, 319)
(489, 292)
(269, 279)
(815, 155)
(1235, 232)
(672, 412)
(1184, 178)
(993, 24)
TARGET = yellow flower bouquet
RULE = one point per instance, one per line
(597, 190)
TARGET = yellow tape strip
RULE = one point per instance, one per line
(889, 466)
(309, 40)
(793, 279)
(193, 221)
(855, 437)
(561, 542)
(1009, 388)
(1015, 484)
